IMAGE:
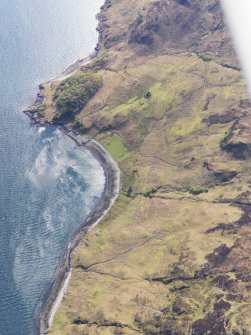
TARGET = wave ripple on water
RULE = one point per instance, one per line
(48, 186)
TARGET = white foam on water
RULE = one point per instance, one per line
(41, 129)
(95, 173)
(49, 164)
(65, 170)
(238, 14)
(30, 250)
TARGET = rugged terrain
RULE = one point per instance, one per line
(173, 256)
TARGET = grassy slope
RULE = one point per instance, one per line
(171, 262)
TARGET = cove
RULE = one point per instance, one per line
(48, 185)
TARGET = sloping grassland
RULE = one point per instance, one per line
(173, 256)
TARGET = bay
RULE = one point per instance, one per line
(48, 186)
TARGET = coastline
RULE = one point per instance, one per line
(31, 112)
(155, 266)
(53, 295)
(74, 67)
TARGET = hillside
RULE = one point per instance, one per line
(170, 104)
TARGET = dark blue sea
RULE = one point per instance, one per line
(47, 185)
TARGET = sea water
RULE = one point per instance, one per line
(47, 185)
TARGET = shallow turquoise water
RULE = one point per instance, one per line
(47, 185)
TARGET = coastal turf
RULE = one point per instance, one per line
(166, 259)
(123, 263)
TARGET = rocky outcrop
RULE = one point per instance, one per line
(174, 113)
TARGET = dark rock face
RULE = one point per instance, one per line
(238, 150)
(244, 220)
(224, 227)
(214, 260)
(80, 322)
(219, 255)
(181, 24)
(235, 297)
(224, 175)
(185, 3)
(223, 282)
(112, 40)
(146, 26)
(213, 323)
(220, 119)
(234, 145)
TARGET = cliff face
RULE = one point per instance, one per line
(166, 27)
(173, 255)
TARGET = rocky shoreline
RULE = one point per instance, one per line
(53, 295)
(112, 185)
(32, 111)
(173, 256)
(108, 198)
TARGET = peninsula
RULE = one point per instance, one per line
(166, 98)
